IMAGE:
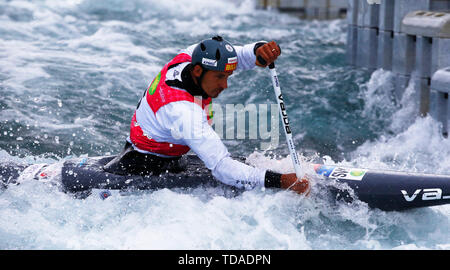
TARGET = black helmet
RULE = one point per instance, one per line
(215, 54)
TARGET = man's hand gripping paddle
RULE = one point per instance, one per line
(296, 182)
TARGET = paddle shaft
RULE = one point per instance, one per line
(285, 120)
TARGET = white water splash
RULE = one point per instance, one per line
(79, 36)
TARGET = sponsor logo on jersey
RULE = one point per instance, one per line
(152, 88)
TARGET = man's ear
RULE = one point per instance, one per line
(197, 71)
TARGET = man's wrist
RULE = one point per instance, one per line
(272, 180)
(257, 45)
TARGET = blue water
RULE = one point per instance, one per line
(72, 72)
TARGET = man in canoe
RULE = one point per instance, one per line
(173, 117)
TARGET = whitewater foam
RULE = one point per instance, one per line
(96, 58)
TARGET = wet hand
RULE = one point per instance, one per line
(290, 181)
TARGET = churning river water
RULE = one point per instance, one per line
(72, 72)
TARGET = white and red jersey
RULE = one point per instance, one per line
(170, 121)
(158, 94)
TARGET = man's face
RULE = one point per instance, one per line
(214, 82)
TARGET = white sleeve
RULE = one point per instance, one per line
(245, 54)
(188, 121)
(189, 50)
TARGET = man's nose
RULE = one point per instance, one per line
(224, 84)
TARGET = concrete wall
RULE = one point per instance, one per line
(308, 9)
(410, 38)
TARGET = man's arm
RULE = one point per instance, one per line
(246, 54)
(187, 121)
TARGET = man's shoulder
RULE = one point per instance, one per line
(174, 76)
(174, 71)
